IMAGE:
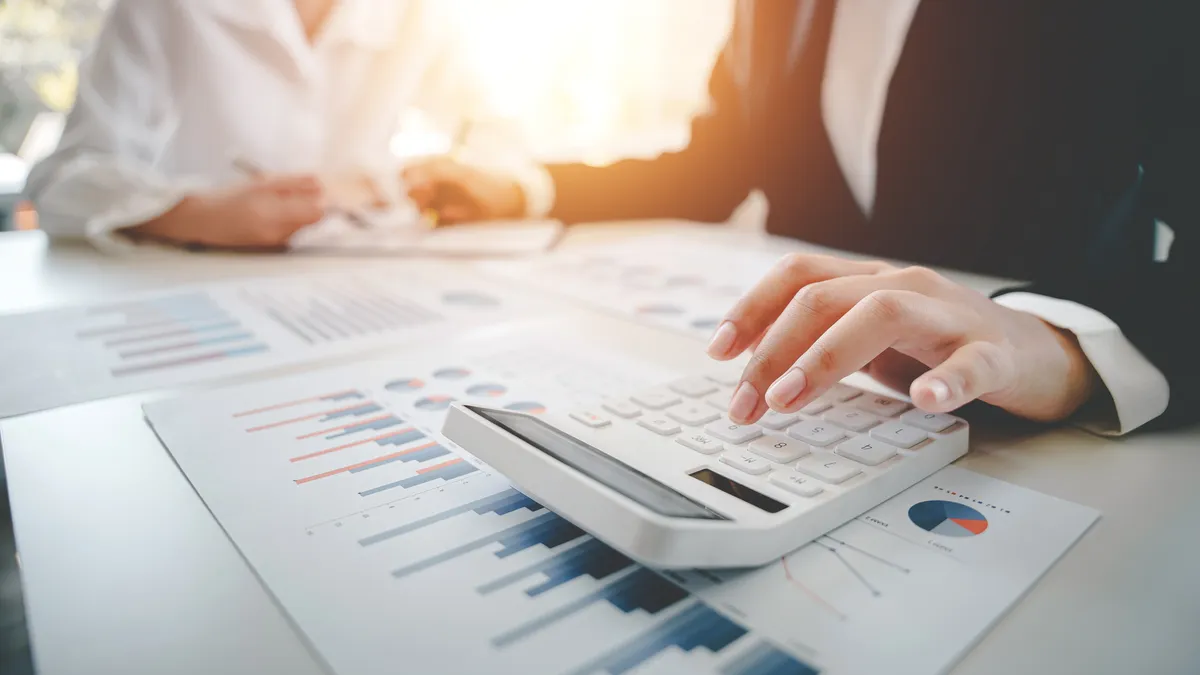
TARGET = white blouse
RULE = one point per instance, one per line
(175, 90)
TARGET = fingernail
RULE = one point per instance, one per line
(722, 340)
(787, 389)
(743, 403)
(939, 389)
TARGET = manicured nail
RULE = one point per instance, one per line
(722, 340)
(939, 389)
(787, 389)
(743, 403)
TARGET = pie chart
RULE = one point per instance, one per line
(949, 519)
(451, 373)
(404, 384)
(492, 390)
(434, 403)
(531, 407)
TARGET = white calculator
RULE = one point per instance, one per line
(666, 478)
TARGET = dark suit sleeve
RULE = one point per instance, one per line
(1157, 305)
(704, 182)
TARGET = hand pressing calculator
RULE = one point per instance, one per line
(665, 477)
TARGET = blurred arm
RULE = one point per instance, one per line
(705, 181)
(101, 177)
(1149, 308)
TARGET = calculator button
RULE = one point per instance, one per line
(591, 419)
(719, 400)
(693, 415)
(660, 425)
(797, 483)
(744, 461)
(899, 435)
(854, 420)
(816, 433)
(867, 451)
(882, 405)
(820, 405)
(693, 387)
(935, 422)
(622, 409)
(779, 450)
(725, 380)
(732, 432)
(702, 443)
(778, 421)
(840, 393)
(657, 399)
(826, 467)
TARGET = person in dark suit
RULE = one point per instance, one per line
(1029, 139)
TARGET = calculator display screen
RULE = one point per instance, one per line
(731, 487)
(598, 466)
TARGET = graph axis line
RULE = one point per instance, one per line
(816, 597)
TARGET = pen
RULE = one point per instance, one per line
(254, 171)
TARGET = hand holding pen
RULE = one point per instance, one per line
(352, 216)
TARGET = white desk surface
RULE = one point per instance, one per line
(126, 572)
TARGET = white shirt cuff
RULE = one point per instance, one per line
(538, 186)
(1139, 390)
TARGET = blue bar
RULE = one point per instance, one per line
(552, 534)
(358, 411)
(697, 627)
(766, 659)
(377, 425)
(431, 452)
(639, 590)
(446, 473)
(402, 438)
(501, 503)
(514, 531)
(593, 558)
(346, 396)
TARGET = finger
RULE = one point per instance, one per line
(808, 315)
(883, 320)
(295, 213)
(975, 370)
(299, 184)
(895, 370)
(758, 309)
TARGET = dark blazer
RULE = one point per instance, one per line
(1033, 139)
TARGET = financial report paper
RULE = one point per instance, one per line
(203, 333)
(394, 550)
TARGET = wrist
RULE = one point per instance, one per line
(171, 226)
(1082, 384)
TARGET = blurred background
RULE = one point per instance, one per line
(598, 80)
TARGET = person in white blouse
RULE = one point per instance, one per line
(235, 123)
(1025, 139)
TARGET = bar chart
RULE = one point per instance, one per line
(338, 310)
(424, 529)
(166, 333)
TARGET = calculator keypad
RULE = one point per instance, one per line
(656, 399)
(732, 432)
(693, 414)
(663, 426)
(701, 443)
(842, 435)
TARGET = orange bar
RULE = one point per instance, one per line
(351, 445)
(344, 426)
(279, 406)
(306, 417)
(344, 469)
(435, 467)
